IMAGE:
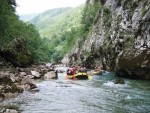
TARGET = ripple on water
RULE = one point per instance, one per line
(112, 84)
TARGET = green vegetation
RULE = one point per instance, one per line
(144, 11)
(107, 18)
(56, 30)
(129, 42)
(89, 15)
(11, 27)
(60, 28)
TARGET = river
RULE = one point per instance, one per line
(97, 95)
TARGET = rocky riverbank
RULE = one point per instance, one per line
(15, 80)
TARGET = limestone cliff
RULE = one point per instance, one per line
(119, 40)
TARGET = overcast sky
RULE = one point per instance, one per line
(38, 6)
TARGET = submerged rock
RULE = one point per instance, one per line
(119, 81)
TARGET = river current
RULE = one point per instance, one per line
(97, 95)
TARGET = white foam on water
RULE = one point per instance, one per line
(128, 97)
(112, 84)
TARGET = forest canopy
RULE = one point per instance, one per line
(50, 35)
(11, 27)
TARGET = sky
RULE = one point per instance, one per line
(38, 6)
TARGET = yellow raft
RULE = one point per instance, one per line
(69, 76)
(80, 76)
(97, 72)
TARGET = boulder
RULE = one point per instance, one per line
(50, 75)
(27, 79)
(29, 86)
(35, 74)
(23, 73)
(32, 86)
(12, 77)
(134, 64)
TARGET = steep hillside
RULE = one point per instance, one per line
(59, 28)
(119, 39)
(44, 19)
(56, 21)
(20, 42)
(27, 17)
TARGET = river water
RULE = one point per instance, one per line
(97, 95)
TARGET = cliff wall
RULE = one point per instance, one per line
(119, 40)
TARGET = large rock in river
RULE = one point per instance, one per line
(134, 64)
(16, 53)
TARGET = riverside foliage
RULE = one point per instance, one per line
(55, 33)
(11, 27)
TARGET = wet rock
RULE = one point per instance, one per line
(134, 64)
(35, 74)
(22, 73)
(11, 95)
(30, 76)
(29, 86)
(2, 96)
(10, 111)
(12, 77)
(34, 90)
(26, 79)
(119, 81)
(8, 89)
(12, 83)
(32, 86)
(50, 75)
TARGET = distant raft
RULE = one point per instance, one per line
(97, 72)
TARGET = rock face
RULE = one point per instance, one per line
(119, 41)
(14, 81)
(16, 53)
